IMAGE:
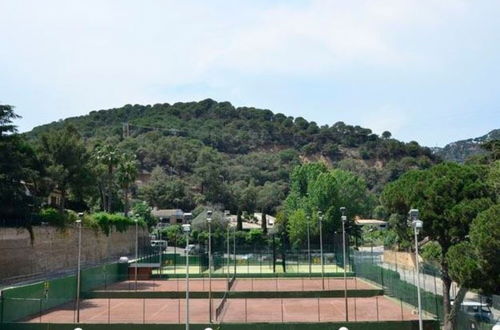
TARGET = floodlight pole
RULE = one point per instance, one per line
(417, 225)
(344, 220)
(226, 214)
(161, 249)
(78, 269)
(234, 249)
(309, 244)
(209, 221)
(136, 249)
(186, 228)
(320, 218)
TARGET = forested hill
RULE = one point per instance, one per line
(460, 151)
(247, 145)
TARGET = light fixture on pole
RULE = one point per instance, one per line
(344, 221)
(417, 226)
(309, 243)
(186, 229)
(209, 221)
(136, 220)
(160, 244)
(226, 216)
(78, 268)
(234, 249)
(320, 219)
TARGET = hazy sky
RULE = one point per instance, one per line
(426, 70)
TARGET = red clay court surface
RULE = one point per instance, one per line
(236, 310)
(260, 284)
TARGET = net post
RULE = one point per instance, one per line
(401, 304)
(143, 310)
(378, 317)
(109, 310)
(282, 310)
(246, 311)
(319, 312)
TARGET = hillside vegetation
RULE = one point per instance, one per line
(462, 150)
(196, 143)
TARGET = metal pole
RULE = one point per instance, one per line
(78, 279)
(161, 250)
(309, 246)
(344, 219)
(420, 324)
(234, 249)
(209, 272)
(227, 256)
(417, 225)
(187, 281)
(136, 249)
(321, 250)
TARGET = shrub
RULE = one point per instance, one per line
(52, 216)
(121, 223)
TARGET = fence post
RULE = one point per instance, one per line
(40, 300)
(382, 275)
(436, 298)
(2, 304)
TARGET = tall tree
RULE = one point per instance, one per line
(19, 167)
(474, 263)
(269, 196)
(164, 191)
(109, 157)
(315, 188)
(448, 196)
(66, 160)
(210, 175)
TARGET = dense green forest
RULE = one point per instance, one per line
(212, 152)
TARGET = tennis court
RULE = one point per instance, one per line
(238, 310)
(244, 284)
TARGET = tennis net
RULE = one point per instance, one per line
(222, 304)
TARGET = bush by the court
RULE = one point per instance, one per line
(106, 221)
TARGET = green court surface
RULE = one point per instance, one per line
(251, 269)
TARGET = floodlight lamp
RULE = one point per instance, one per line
(186, 228)
(226, 213)
(80, 215)
(417, 224)
(343, 218)
(78, 221)
(413, 214)
(343, 210)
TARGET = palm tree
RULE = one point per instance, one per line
(108, 156)
(126, 175)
